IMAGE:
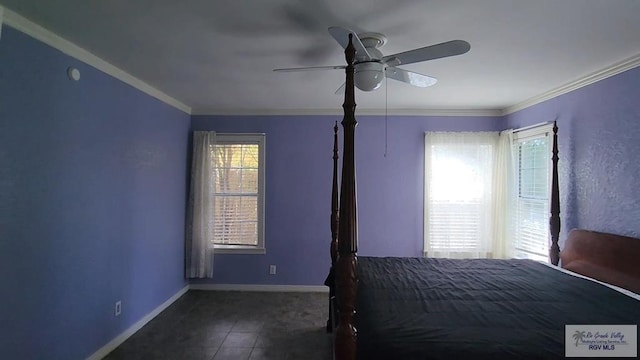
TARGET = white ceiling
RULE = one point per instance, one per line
(218, 56)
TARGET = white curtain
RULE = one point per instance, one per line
(1, 15)
(459, 194)
(200, 223)
(504, 197)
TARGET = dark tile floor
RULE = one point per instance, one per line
(217, 325)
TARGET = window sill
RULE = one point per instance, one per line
(238, 249)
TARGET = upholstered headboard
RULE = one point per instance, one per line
(610, 258)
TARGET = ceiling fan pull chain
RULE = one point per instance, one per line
(386, 115)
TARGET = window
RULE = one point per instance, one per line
(458, 194)
(238, 173)
(488, 195)
(532, 151)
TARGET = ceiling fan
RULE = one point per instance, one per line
(371, 66)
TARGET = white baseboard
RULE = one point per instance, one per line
(109, 347)
(267, 288)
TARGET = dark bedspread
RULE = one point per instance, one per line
(414, 308)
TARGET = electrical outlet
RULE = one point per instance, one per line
(272, 269)
(118, 308)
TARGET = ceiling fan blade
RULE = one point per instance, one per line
(342, 37)
(449, 48)
(410, 77)
(340, 89)
(311, 68)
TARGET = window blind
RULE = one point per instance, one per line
(532, 212)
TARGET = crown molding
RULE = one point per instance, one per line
(46, 36)
(607, 72)
(339, 112)
(265, 112)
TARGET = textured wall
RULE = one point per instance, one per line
(298, 190)
(92, 194)
(599, 129)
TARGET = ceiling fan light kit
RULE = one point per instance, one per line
(371, 66)
(369, 75)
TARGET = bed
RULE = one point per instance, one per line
(427, 308)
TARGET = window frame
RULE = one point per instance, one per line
(248, 138)
(523, 135)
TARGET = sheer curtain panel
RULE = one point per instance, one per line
(1, 14)
(504, 190)
(200, 219)
(459, 194)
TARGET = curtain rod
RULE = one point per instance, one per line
(533, 126)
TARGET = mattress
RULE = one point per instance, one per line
(427, 308)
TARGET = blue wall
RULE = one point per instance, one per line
(599, 143)
(92, 198)
(298, 190)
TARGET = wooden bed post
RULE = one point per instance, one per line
(333, 249)
(335, 210)
(346, 334)
(554, 219)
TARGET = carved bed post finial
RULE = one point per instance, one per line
(554, 219)
(346, 334)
